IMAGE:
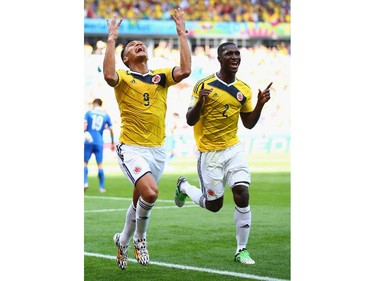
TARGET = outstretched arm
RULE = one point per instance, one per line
(250, 119)
(184, 70)
(109, 63)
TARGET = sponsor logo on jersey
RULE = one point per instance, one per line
(156, 79)
(239, 96)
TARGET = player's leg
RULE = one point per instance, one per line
(148, 190)
(86, 157)
(208, 196)
(122, 239)
(242, 218)
(101, 177)
(85, 176)
(98, 151)
(147, 186)
(238, 175)
(136, 163)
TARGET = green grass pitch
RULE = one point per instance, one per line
(191, 243)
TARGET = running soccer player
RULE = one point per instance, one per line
(95, 122)
(141, 95)
(217, 103)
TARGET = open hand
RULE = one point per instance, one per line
(179, 19)
(113, 26)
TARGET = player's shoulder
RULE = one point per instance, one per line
(123, 73)
(202, 81)
(242, 83)
(243, 87)
(161, 70)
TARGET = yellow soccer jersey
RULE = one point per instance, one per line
(142, 101)
(218, 123)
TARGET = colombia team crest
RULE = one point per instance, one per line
(137, 170)
(156, 79)
(239, 96)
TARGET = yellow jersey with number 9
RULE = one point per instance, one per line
(142, 102)
(218, 123)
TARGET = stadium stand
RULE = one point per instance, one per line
(264, 59)
(273, 11)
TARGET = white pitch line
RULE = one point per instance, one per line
(200, 269)
(122, 209)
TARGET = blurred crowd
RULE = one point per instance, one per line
(259, 66)
(272, 11)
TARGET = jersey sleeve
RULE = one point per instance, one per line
(169, 76)
(120, 73)
(195, 94)
(248, 105)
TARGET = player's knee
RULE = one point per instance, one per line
(150, 195)
(214, 206)
(241, 196)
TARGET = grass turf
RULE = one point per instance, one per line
(190, 236)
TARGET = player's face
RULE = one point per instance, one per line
(231, 58)
(136, 49)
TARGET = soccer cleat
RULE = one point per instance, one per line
(102, 190)
(243, 257)
(122, 252)
(86, 186)
(141, 252)
(180, 197)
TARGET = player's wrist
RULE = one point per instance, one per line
(111, 39)
(182, 33)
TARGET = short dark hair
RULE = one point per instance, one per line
(98, 102)
(220, 49)
(123, 49)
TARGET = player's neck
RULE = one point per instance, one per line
(227, 77)
(139, 67)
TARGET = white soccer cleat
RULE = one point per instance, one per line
(141, 252)
(122, 252)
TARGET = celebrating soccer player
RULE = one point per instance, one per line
(217, 103)
(141, 95)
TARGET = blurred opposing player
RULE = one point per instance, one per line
(141, 95)
(95, 122)
(217, 103)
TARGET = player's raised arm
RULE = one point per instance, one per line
(250, 119)
(109, 63)
(184, 69)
